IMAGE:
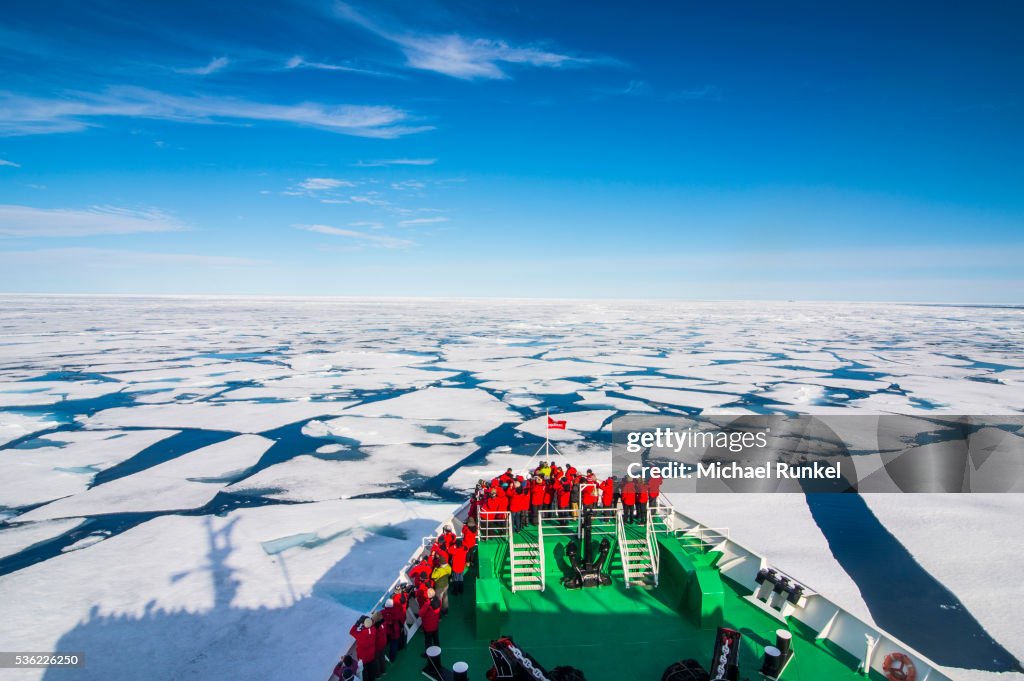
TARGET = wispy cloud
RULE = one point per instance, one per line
(26, 221)
(408, 185)
(215, 64)
(457, 56)
(643, 89)
(110, 257)
(5, 162)
(314, 184)
(381, 163)
(298, 62)
(371, 199)
(24, 115)
(377, 240)
(423, 221)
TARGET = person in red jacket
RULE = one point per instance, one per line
(563, 498)
(589, 489)
(380, 641)
(628, 500)
(366, 646)
(439, 550)
(642, 496)
(448, 536)
(420, 571)
(469, 535)
(423, 594)
(458, 567)
(653, 490)
(608, 492)
(394, 623)
(519, 505)
(430, 621)
(500, 501)
(537, 489)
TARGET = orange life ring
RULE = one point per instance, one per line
(899, 667)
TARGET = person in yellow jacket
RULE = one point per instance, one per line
(441, 575)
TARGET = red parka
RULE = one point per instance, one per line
(394, 618)
(564, 495)
(419, 572)
(654, 487)
(537, 493)
(458, 559)
(366, 642)
(607, 492)
(628, 493)
(468, 537)
(589, 494)
(430, 616)
(380, 635)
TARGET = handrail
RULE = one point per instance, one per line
(703, 532)
(667, 511)
(569, 530)
(494, 525)
(653, 550)
(620, 535)
(540, 550)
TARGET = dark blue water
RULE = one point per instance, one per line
(185, 441)
(902, 596)
(114, 524)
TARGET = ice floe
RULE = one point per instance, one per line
(186, 482)
(382, 468)
(441, 404)
(64, 462)
(236, 417)
(17, 538)
(15, 426)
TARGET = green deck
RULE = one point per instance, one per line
(614, 633)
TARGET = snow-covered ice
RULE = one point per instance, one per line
(204, 405)
(67, 463)
(189, 481)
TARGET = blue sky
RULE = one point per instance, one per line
(682, 150)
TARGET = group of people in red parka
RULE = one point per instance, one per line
(438, 572)
(441, 569)
(553, 487)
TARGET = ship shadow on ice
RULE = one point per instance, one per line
(901, 595)
(224, 640)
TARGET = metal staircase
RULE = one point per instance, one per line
(526, 565)
(638, 555)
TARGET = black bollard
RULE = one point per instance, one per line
(460, 671)
(433, 669)
(783, 639)
(772, 665)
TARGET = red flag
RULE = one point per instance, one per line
(555, 425)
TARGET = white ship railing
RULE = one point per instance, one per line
(831, 622)
(560, 522)
(620, 537)
(540, 550)
(493, 525)
(653, 549)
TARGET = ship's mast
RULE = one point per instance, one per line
(547, 447)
